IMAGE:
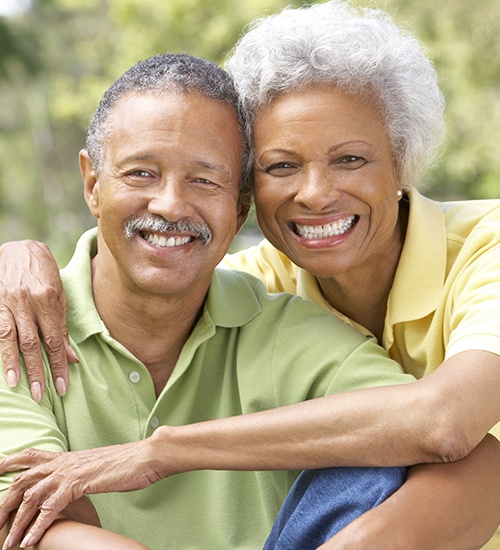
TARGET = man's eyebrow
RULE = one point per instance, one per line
(211, 166)
(198, 163)
(135, 158)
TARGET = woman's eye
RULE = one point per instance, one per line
(352, 161)
(281, 169)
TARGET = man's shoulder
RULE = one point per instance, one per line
(282, 309)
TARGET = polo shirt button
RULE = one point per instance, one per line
(155, 422)
(134, 377)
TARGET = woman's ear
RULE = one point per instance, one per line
(90, 183)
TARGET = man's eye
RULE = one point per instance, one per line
(204, 181)
(140, 174)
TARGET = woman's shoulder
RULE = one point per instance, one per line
(266, 263)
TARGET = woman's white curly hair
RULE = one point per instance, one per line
(357, 50)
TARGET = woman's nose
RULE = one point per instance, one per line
(317, 191)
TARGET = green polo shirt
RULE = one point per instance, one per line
(248, 352)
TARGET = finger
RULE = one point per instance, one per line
(54, 333)
(55, 347)
(71, 355)
(12, 498)
(9, 347)
(28, 458)
(31, 350)
(48, 512)
(24, 516)
(38, 503)
(22, 339)
(26, 486)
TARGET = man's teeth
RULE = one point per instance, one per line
(166, 242)
(337, 227)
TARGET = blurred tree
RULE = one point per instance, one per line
(82, 47)
(462, 38)
(16, 50)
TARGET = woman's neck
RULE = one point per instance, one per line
(362, 294)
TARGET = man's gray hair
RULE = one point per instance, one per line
(361, 51)
(165, 73)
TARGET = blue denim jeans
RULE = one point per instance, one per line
(322, 502)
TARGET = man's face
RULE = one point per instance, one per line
(175, 158)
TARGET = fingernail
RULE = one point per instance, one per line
(26, 541)
(36, 391)
(11, 378)
(71, 354)
(61, 386)
(7, 543)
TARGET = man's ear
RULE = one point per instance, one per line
(90, 183)
(243, 210)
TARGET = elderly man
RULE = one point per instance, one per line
(165, 341)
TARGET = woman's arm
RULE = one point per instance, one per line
(439, 418)
(436, 419)
(440, 507)
(32, 300)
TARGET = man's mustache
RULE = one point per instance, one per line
(157, 224)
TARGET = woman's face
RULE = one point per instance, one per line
(326, 187)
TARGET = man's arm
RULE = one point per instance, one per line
(440, 507)
(78, 528)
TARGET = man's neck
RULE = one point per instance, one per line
(153, 328)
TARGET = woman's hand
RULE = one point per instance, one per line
(54, 480)
(33, 306)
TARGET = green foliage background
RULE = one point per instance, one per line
(57, 59)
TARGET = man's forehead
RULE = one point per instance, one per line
(132, 99)
(188, 124)
(174, 110)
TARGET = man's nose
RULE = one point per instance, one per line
(172, 200)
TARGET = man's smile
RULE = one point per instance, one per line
(166, 242)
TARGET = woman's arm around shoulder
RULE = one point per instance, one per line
(33, 306)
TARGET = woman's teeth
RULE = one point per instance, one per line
(337, 227)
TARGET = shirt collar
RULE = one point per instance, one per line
(309, 289)
(421, 271)
(420, 275)
(231, 300)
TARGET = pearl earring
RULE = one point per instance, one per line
(400, 193)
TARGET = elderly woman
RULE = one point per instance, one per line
(346, 115)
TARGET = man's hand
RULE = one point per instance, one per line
(54, 480)
(33, 303)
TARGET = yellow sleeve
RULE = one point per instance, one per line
(266, 263)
